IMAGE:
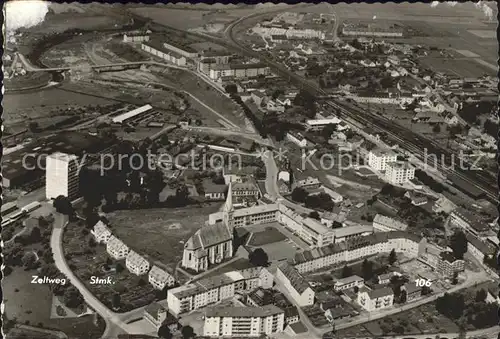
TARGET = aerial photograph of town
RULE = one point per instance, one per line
(271, 171)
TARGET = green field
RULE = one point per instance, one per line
(154, 231)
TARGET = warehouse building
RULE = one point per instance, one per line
(122, 118)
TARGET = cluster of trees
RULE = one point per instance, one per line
(277, 128)
(186, 331)
(470, 112)
(307, 101)
(318, 201)
(475, 311)
(458, 244)
(491, 128)
(258, 257)
(429, 181)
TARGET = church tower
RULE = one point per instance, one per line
(228, 207)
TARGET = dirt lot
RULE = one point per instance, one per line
(267, 236)
(151, 233)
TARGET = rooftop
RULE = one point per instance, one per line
(244, 312)
(153, 309)
(378, 293)
(348, 280)
(296, 280)
(352, 230)
(208, 236)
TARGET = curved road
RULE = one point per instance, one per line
(113, 321)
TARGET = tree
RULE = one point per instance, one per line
(187, 332)
(458, 244)
(258, 258)
(72, 297)
(346, 271)
(314, 215)
(231, 89)
(327, 131)
(436, 128)
(403, 296)
(63, 205)
(116, 300)
(392, 257)
(29, 260)
(33, 127)
(481, 295)
(367, 269)
(164, 332)
(119, 268)
(299, 194)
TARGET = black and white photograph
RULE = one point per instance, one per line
(268, 170)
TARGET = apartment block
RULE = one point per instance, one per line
(243, 321)
(61, 176)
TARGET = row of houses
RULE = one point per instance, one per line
(134, 262)
(359, 247)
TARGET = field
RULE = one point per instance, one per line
(150, 232)
(189, 19)
(21, 107)
(20, 305)
(468, 68)
(64, 21)
(267, 236)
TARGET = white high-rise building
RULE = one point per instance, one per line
(61, 175)
(399, 172)
(378, 159)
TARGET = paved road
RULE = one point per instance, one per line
(272, 184)
(111, 318)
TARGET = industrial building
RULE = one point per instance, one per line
(122, 118)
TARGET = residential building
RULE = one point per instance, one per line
(412, 291)
(248, 188)
(348, 232)
(160, 278)
(243, 321)
(184, 50)
(480, 249)
(416, 199)
(136, 264)
(163, 51)
(259, 98)
(61, 176)
(447, 265)
(210, 244)
(384, 279)
(249, 70)
(101, 232)
(349, 282)
(214, 192)
(372, 300)
(211, 290)
(261, 297)
(236, 174)
(157, 315)
(259, 214)
(308, 183)
(135, 37)
(399, 172)
(283, 186)
(356, 248)
(116, 248)
(387, 224)
(295, 329)
(469, 222)
(296, 138)
(274, 106)
(220, 57)
(295, 284)
(378, 159)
